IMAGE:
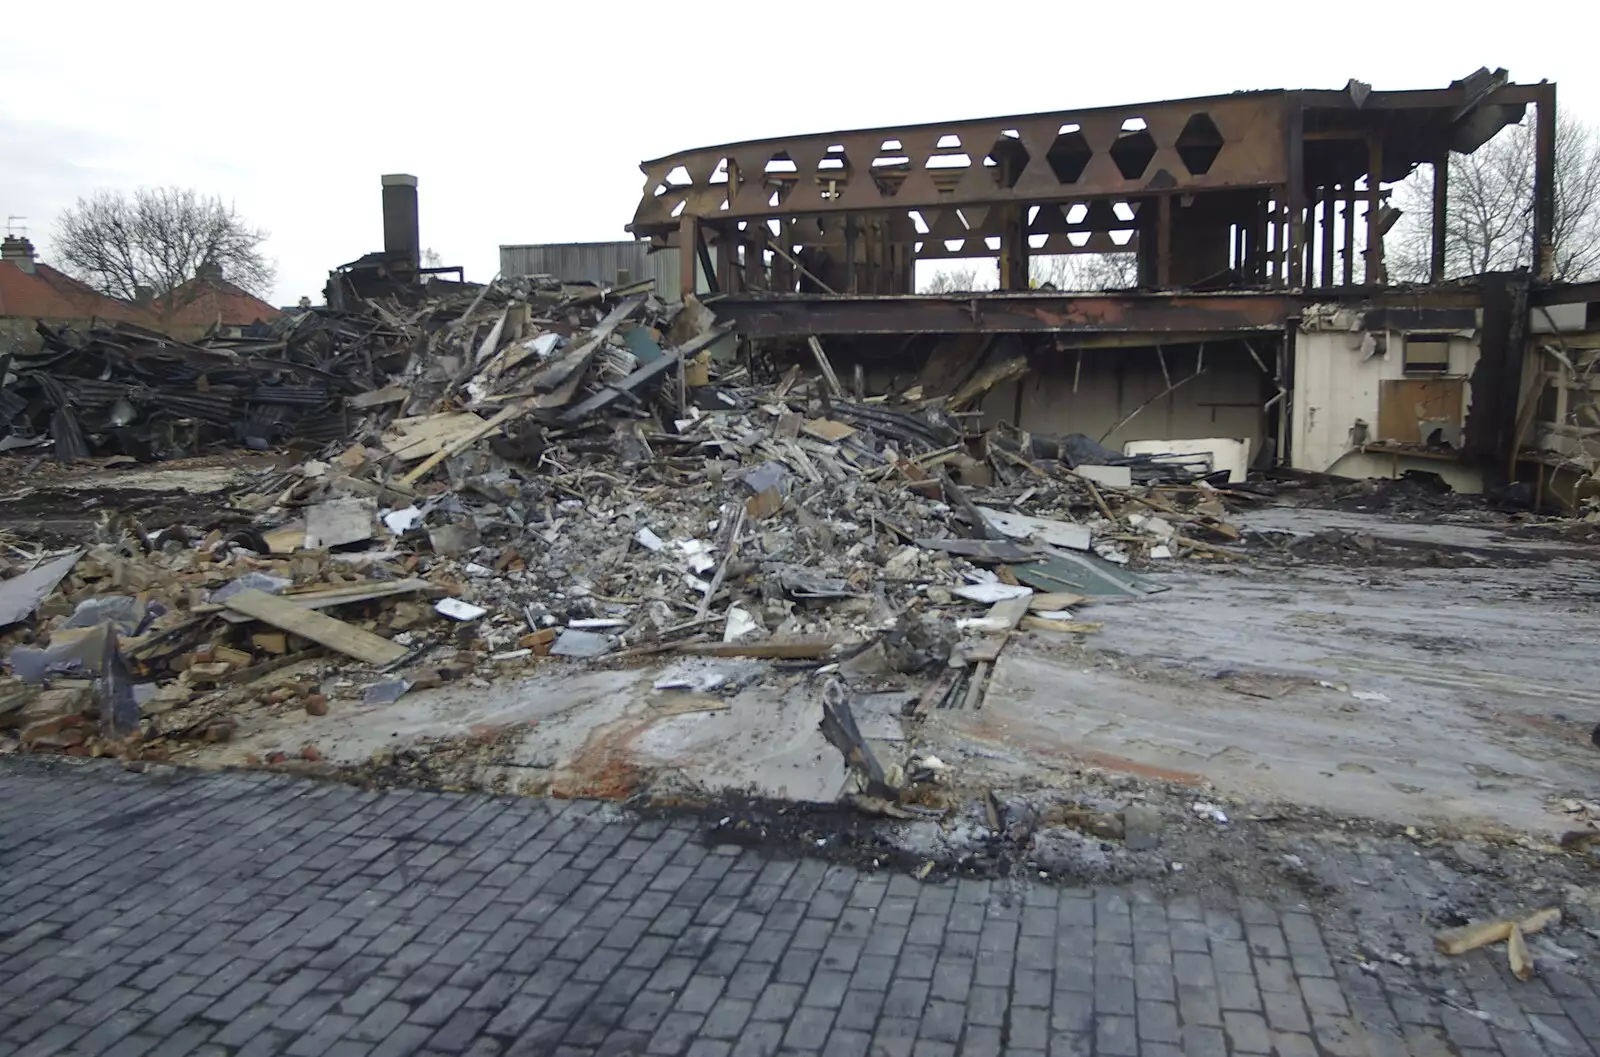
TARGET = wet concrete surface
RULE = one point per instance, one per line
(1458, 697)
(587, 733)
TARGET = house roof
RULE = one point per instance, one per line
(207, 301)
(46, 293)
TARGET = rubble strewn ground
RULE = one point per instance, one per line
(565, 542)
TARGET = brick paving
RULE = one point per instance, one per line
(247, 914)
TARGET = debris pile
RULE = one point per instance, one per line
(125, 390)
(532, 470)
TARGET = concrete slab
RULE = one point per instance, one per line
(1459, 695)
(586, 732)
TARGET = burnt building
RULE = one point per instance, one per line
(1262, 312)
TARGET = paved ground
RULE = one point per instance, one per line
(260, 914)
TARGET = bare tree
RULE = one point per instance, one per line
(1489, 222)
(149, 245)
(958, 279)
(1085, 271)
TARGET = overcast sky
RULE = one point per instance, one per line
(525, 122)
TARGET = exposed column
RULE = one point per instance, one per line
(1350, 234)
(782, 270)
(1295, 145)
(1164, 243)
(1544, 183)
(688, 254)
(1441, 197)
(1013, 248)
(1375, 275)
(1330, 215)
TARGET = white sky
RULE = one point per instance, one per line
(525, 122)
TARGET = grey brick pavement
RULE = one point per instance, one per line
(259, 914)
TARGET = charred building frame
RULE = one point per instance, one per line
(1263, 309)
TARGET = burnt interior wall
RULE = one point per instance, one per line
(1083, 390)
(1497, 379)
(1092, 391)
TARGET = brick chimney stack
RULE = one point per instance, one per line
(17, 250)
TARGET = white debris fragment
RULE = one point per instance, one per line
(1370, 695)
(456, 609)
(649, 540)
(991, 593)
(738, 625)
(597, 622)
(1054, 614)
(474, 569)
(701, 680)
(1161, 551)
(511, 655)
(1211, 811)
(402, 520)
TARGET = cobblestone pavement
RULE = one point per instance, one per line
(261, 914)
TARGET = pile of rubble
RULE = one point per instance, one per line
(533, 470)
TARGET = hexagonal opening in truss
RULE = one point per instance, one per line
(780, 174)
(1199, 144)
(1006, 159)
(1133, 151)
(890, 167)
(833, 171)
(1069, 154)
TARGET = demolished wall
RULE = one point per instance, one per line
(1094, 391)
(1357, 388)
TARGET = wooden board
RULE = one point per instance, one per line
(805, 649)
(826, 429)
(1405, 403)
(318, 627)
(1052, 600)
(391, 395)
(410, 439)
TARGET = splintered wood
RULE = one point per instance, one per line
(1482, 933)
(318, 627)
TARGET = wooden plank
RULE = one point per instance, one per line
(826, 367)
(359, 592)
(1006, 614)
(465, 440)
(391, 395)
(1517, 952)
(826, 429)
(410, 439)
(1043, 624)
(1053, 600)
(318, 627)
(977, 689)
(800, 649)
(1482, 933)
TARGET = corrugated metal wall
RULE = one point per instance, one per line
(598, 262)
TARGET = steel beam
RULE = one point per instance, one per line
(1006, 313)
